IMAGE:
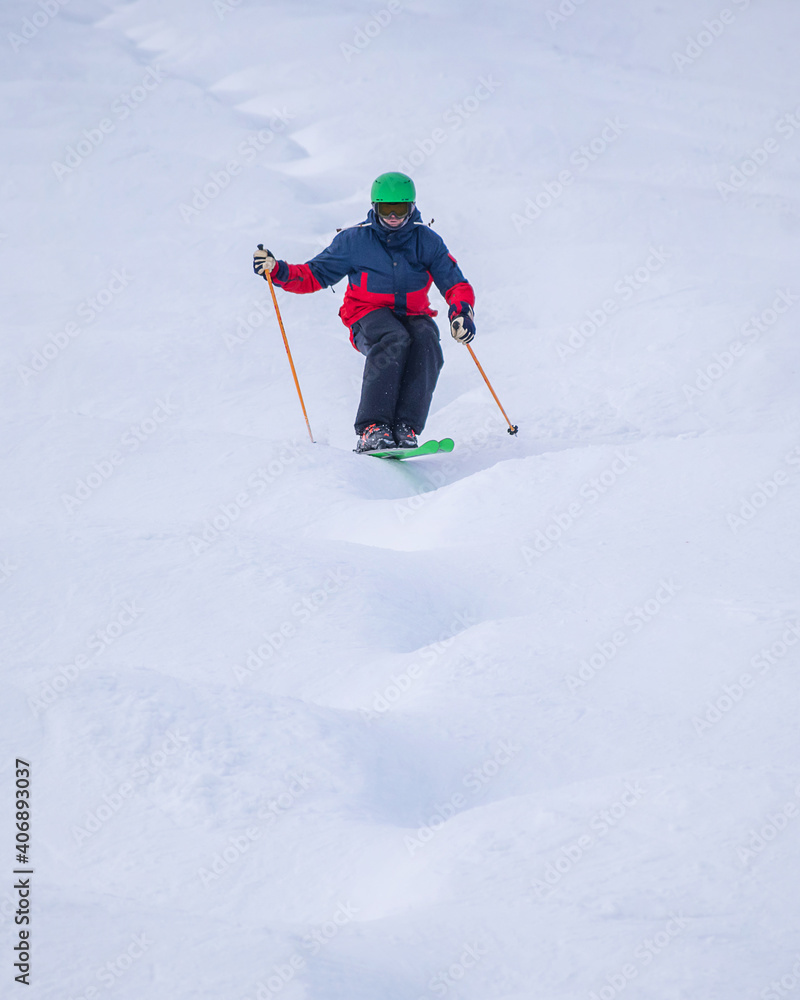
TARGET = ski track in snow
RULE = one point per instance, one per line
(497, 725)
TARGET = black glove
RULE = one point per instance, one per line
(263, 261)
(462, 325)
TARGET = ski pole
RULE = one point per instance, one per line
(288, 352)
(512, 428)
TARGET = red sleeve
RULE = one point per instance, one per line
(295, 278)
(461, 292)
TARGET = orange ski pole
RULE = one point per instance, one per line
(512, 428)
(288, 352)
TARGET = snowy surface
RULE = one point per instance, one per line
(515, 723)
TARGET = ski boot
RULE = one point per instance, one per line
(405, 436)
(375, 437)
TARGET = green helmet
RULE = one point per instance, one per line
(393, 187)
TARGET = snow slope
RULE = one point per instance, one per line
(513, 723)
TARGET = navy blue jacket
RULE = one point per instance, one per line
(384, 267)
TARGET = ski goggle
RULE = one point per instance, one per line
(399, 209)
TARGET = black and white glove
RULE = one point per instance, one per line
(462, 325)
(263, 261)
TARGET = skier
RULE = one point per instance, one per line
(391, 259)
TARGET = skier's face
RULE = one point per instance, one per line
(394, 214)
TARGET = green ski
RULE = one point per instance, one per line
(428, 448)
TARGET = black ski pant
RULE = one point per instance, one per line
(404, 358)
